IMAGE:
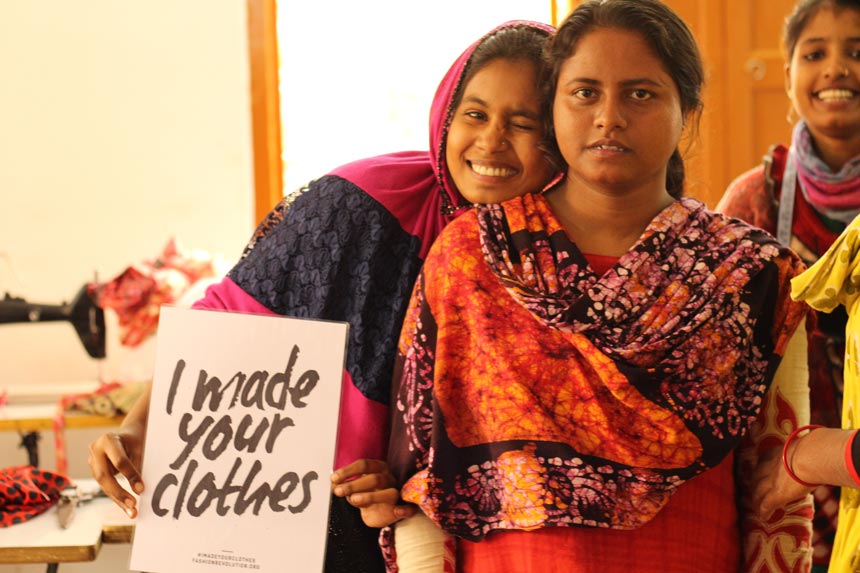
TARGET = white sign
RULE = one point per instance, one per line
(240, 443)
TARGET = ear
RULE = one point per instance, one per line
(788, 79)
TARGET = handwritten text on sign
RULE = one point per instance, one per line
(216, 438)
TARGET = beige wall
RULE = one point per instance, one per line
(122, 123)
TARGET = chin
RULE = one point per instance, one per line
(839, 129)
(486, 197)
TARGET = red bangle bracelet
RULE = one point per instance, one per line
(850, 462)
(785, 463)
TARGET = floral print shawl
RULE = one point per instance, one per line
(530, 392)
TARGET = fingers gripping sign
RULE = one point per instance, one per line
(369, 485)
(116, 454)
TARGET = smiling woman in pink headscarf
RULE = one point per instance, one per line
(349, 246)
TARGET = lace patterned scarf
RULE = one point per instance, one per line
(834, 195)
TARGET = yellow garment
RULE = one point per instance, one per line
(833, 280)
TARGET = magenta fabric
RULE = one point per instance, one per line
(227, 295)
(359, 416)
(835, 195)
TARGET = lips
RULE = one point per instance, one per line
(608, 145)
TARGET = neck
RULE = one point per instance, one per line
(604, 223)
(836, 152)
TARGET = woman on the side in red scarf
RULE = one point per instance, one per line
(806, 194)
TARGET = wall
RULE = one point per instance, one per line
(122, 124)
(349, 79)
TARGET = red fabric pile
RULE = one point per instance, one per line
(26, 492)
(136, 294)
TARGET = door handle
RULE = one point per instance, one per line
(756, 68)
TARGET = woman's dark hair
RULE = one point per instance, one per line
(515, 42)
(803, 12)
(668, 35)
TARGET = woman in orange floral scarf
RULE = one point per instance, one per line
(577, 367)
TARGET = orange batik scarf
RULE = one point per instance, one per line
(531, 392)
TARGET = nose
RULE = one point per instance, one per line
(609, 115)
(493, 137)
(836, 67)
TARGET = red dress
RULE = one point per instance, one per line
(699, 525)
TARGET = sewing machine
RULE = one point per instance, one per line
(85, 316)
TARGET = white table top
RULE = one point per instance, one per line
(42, 540)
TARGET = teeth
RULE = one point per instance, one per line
(828, 95)
(492, 171)
(609, 148)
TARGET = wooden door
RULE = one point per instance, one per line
(706, 151)
(745, 100)
(756, 75)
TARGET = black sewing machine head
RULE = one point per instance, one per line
(86, 317)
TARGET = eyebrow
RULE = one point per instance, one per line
(517, 112)
(626, 83)
(817, 39)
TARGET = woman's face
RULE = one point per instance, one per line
(617, 113)
(492, 149)
(823, 77)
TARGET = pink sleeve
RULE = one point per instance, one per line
(363, 425)
(362, 431)
(227, 295)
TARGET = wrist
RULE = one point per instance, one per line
(790, 451)
(852, 457)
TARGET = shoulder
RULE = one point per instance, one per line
(459, 236)
(328, 202)
(745, 240)
(750, 196)
(743, 189)
(731, 228)
(723, 233)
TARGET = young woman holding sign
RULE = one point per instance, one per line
(349, 246)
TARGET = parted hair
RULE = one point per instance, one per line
(803, 11)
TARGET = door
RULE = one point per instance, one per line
(756, 74)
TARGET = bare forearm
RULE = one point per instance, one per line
(137, 416)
